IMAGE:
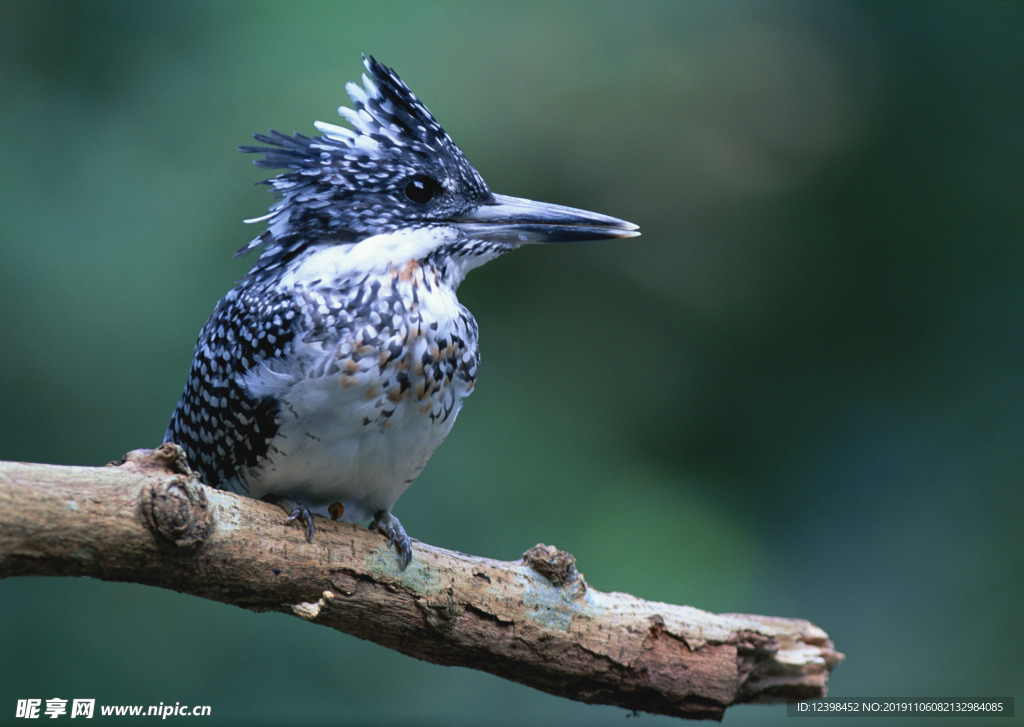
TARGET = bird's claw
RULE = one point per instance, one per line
(389, 526)
(304, 516)
(296, 511)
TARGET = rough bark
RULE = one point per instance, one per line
(534, 620)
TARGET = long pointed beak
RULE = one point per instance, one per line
(517, 220)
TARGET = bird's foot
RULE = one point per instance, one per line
(388, 524)
(296, 511)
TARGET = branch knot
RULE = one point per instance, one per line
(558, 566)
(175, 508)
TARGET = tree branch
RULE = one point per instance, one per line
(534, 621)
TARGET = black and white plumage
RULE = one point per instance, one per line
(335, 367)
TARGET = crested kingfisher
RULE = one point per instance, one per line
(329, 374)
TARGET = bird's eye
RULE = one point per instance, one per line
(421, 189)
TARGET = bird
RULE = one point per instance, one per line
(328, 375)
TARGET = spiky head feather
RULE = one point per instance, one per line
(395, 166)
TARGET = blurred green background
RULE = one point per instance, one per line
(799, 393)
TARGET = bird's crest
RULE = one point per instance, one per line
(393, 138)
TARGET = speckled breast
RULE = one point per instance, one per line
(371, 387)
